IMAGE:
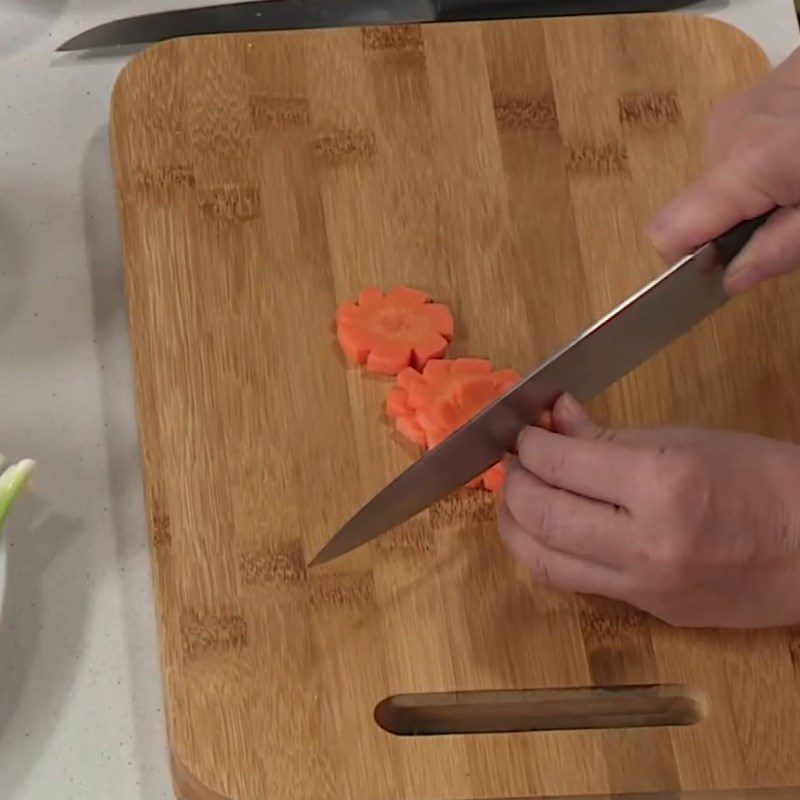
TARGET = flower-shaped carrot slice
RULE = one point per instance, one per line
(427, 407)
(393, 331)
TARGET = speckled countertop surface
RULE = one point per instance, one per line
(80, 697)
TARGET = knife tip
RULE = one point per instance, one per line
(319, 559)
(82, 41)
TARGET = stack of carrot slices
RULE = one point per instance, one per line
(427, 407)
(405, 335)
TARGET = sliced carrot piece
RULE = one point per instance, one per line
(473, 393)
(397, 403)
(471, 366)
(435, 346)
(390, 332)
(429, 423)
(421, 394)
(436, 372)
(505, 379)
(388, 357)
(494, 477)
(370, 298)
(348, 312)
(408, 377)
(440, 317)
(446, 415)
(445, 396)
(355, 343)
(435, 437)
(404, 296)
(407, 426)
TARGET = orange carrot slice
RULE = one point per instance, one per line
(407, 426)
(493, 477)
(393, 331)
(427, 407)
(471, 366)
(397, 403)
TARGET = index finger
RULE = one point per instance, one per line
(601, 470)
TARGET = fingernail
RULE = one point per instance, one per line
(568, 414)
(570, 409)
(740, 274)
(661, 224)
(668, 229)
(740, 277)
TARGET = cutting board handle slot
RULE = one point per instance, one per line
(511, 711)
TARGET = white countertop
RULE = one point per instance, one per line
(80, 696)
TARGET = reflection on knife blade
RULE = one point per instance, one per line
(278, 15)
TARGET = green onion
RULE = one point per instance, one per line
(12, 482)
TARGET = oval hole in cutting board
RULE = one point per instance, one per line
(524, 711)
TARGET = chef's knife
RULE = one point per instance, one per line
(277, 15)
(635, 330)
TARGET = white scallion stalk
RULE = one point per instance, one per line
(12, 482)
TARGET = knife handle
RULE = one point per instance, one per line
(730, 244)
(471, 10)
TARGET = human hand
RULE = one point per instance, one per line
(752, 165)
(699, 528)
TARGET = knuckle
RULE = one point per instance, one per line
(764, 181)
(505, 527)
(546, 522)
(601, 434)
(774, 252)
(675, 558)
(529, 443)
(553, 468)
(531, 508)
(539, 568)
(516, 493)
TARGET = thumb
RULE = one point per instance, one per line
(741, 187)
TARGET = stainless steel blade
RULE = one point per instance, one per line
(626, 337)
(277, 15)
(272, 15)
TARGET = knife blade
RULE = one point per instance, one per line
(277, 15)
(638, 328)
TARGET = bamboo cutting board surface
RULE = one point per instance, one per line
(509, 169)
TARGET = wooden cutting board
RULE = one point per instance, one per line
(509, 169)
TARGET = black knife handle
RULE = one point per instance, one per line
(458, 10)
(730, 244)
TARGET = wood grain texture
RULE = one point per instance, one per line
(509, 169)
